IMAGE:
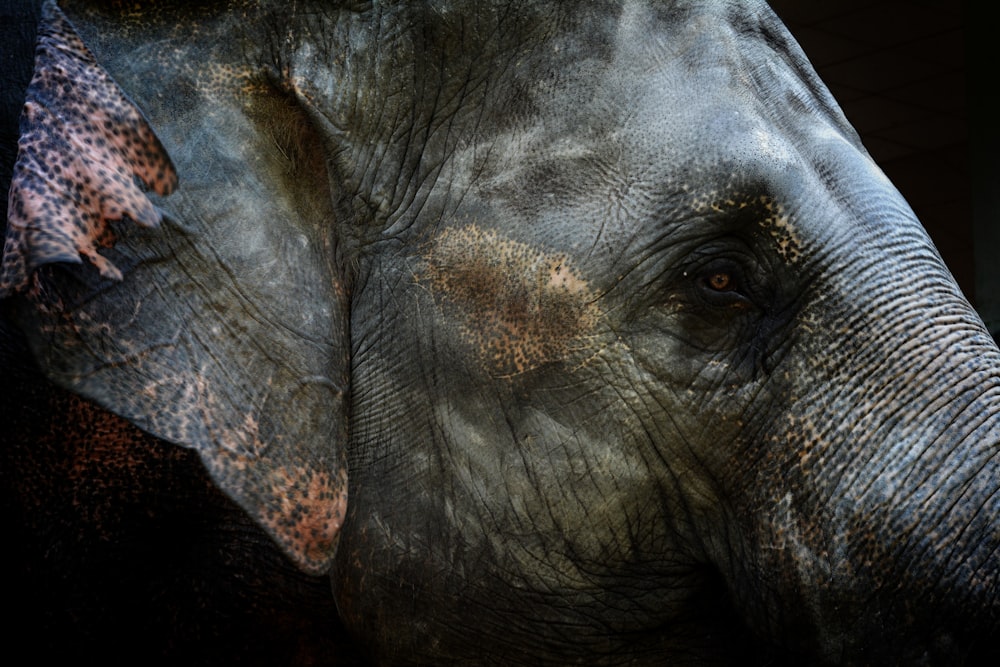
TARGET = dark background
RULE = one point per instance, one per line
(916, 78)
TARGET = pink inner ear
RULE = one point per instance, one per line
(85, 156)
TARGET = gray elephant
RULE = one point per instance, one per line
(539, 333)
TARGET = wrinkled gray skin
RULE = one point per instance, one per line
(626, 340)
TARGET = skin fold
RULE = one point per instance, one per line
(490, 333)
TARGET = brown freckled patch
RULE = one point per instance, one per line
(301, 508)
(300, 503)
(520, 307)
(769, 213)
(308, 511)
(219, 80)
(779, 225)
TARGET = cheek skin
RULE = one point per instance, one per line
(516, 307)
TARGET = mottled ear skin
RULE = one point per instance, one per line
(124, 337)
(86, 156)
(119, 548)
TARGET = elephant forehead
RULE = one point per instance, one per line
(516, 306)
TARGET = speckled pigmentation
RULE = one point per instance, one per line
(125, 549)
(520, 308)
(85, 157)
(185, 367)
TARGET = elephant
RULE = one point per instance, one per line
(487, 332)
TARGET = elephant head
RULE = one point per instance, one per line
(622, 340)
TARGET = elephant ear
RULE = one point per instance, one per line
(219, 326)
(85, 157)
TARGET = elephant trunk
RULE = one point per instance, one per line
(882, 507)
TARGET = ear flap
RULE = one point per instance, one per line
(83, 154)
(220, 326)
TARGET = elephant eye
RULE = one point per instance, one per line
(722, 274)
(720, 281)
